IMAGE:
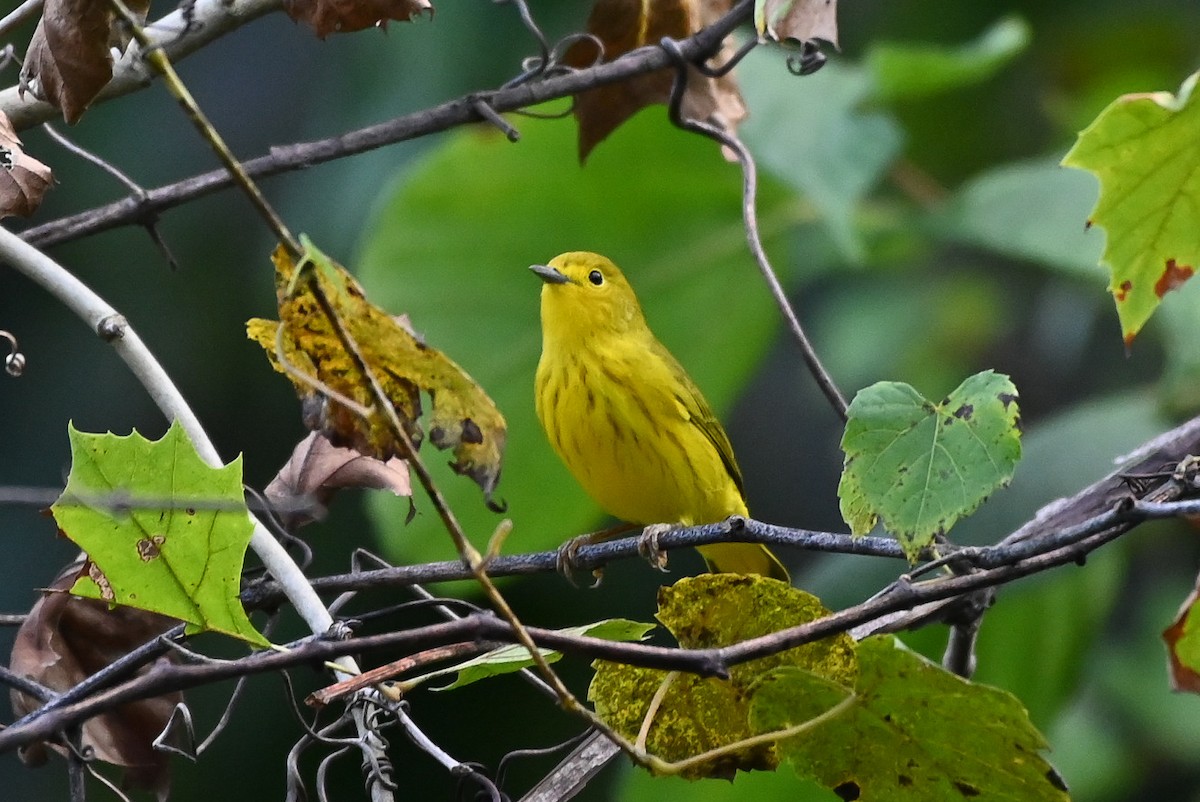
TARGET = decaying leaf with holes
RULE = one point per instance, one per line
(906, 730)
(920, 466)
(23, 179)
(624, 25)
(69, 59)
(695, 714)
(346, 16)
(315, 358)
(63, 641)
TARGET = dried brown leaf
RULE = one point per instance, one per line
(23, 179)
(69, 59)
(318, 469)
(799, 20)
(625, 25)
(66, 639)
(346, 16)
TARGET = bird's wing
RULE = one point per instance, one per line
(702, 417)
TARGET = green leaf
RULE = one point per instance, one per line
(907, 71)
(914, 732)
(181, 554)
(514, 657)
(1144, 148)
(919, 466)
(697, 714)
(760, 786)
(833, 158)
(1183, 645)
(451, 245)
(1029, 210)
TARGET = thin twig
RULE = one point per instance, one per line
(383, 673)
(25, 685)
(149, 220)
(158, 58)
(750, 216)
(91, 158)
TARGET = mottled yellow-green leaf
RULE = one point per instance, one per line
(174, 544)
(696, 714)
(462, 418)
(1144, 150)
(913, 733)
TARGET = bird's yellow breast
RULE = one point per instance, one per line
(612, 412)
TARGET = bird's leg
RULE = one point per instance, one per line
(648, 545)
(567, 560)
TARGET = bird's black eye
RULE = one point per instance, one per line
(596, 277)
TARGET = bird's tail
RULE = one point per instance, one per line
(743, 558)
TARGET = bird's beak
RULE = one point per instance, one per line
(549, 274)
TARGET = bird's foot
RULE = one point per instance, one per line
(648, 545)
(567, 559)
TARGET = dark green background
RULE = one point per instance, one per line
(995, 276)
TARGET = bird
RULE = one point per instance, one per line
(626, 418)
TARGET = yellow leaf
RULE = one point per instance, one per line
(695, 715)
(463, 417)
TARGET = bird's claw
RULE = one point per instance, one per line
(648, 545)
(567, 560)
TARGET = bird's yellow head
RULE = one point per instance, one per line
(585, 294)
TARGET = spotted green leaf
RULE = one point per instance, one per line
(918, 465)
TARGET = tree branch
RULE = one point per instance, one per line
(179, 34)
(715, 662)
(300, 155)
(112, 327)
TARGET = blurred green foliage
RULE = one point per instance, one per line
(924, 235)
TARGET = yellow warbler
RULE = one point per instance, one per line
(627, 419)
